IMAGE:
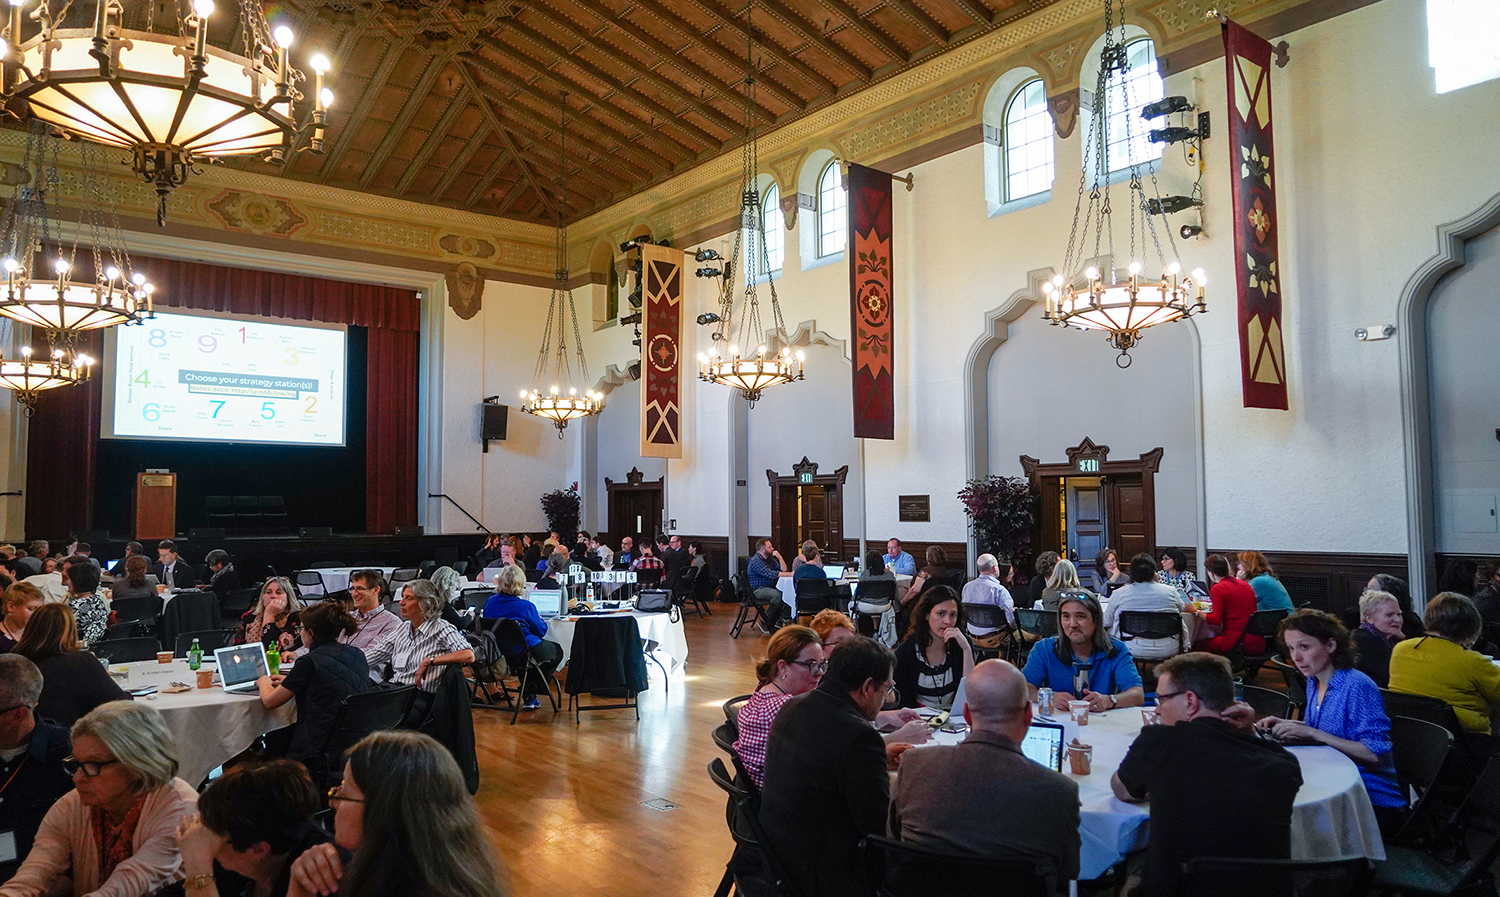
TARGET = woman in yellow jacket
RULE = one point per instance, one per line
(1440, 664)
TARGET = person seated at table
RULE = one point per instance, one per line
(932, 574)
(424, 639)
(1411, 621)
(1232, 601)
(73, 681)
(404, 825)
(647, 559)
(1379, 630)
(366, 588)
(323, 676)
(898, 561)
(251, 823)
(447, 581)
(698, 554)
(989, 587)
(605, 554)
(89, 607)
(1240, 805)
(50, 580)
(806, 554)
(1082, 662)
(832, 627)
(1107, 570)
(1441, 664)
(876, 569)
(556, 563)
(1270, 594)
(135, 583)
(835, 628)
(17, 604)
(274, 617)
(31, 758)
(793, 665)
(762, 572)
(115, 834)
(947, 795)
(489, 553)
(1145, 594)
(171, 569)
(222, 577)
(1344, 708)
(1046, 562)
(132, 550)
(935, 655)
(507, 604)
(811, 566)
(1174, 570)
(1063, 580)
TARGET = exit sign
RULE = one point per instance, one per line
(805, 477)
(1088, 465)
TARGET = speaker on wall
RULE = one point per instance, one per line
(493, 422)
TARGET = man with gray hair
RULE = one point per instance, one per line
(31, 761)
(947, 795)
(988, 588)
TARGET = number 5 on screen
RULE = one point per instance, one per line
(267, 410)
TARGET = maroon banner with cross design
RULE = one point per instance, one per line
(1258, 280)
(661, 350)
(870, 283)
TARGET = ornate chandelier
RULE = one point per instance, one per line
(552, 404)
(724, 364)
(1083, 296)
(28, 376)
(159, 88)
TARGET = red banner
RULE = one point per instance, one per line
(1258, 280)
(661, 349)
(870, 283)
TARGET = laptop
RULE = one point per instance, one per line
(549, 602)
(833, 571)
(1044, 744)
(241, 665)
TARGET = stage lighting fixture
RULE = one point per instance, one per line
(634, 370)
(708, 317)
(634, 298)
(708, 272)
(633, 242)
(630, 319)
(1166, 205)
(664, 242)
(1189, 231)
(1165, 106)
(636, 342)
(707, 255)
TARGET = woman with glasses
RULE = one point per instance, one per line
(320, 680)
(404, 814)
(792, 666)
(274, 617)
(73, 681)
(115, 834)
(936, 654)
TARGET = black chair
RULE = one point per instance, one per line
(990, 616)
(404, 574)
(814, 595)
(607, 659)
(146, 610)
(1266, 702)
(1038, 623)
(309, 583)
(1143, 624)
(1432, 710)
(902, 869)
(512, 644)
(685, 591)
(1265, 624)
(872, 599)
(358, 715)
(1236, 877)
(749, 806)
(237, 602)
(127, 650)
(425, 568)
(129, 629)
(742, 874)
(752, 607)
(460, 567)
(190, 610)
(732, 712)
(218, 507)
(1420, 751)
(246, 507)
(647, 577)
(1296, 683)
(210, 640)
(475, 598)
(1406, 871)
(273, 508)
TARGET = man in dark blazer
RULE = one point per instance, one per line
(947, 795)
(826, 781)
(172, 570)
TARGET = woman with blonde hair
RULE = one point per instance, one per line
(793, 665)
(275, 616)
(20, 601)
(73, 682)
(1380, 622)
(1063, 580)
(115, 834)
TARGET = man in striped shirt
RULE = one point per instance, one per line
(422, 640)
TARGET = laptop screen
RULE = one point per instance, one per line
(833, 571)
(1044, 744)
(548, 601)
(239, 664)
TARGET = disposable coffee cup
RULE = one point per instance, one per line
(1079, 711)
(1081, 759)
(163, 656)
(205, 678)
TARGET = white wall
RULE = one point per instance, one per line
(619, 447)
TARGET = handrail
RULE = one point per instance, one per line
(462, 509)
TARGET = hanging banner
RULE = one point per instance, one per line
(870, 281)
(661, 345)
(1258, 280)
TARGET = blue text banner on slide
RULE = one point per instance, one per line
(227, 380)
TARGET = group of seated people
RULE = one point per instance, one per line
(97, 808)
(552, 554)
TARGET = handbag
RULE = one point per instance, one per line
(653, 601)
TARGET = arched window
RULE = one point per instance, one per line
(771, 227)
(1028, 142)
(833, 212)
(1123, 99)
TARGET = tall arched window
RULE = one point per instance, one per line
(1123, 99)
(771, 227)
(1028, 142)
(833, 212)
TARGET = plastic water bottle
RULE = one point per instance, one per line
(273, 659)
(195, 656)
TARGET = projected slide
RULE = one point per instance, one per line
(223, 380)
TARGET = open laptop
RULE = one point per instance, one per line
(241, 665)
(549, 602)
(833, 571)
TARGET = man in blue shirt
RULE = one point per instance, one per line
(507, 603)
(1083, 663)
(763, 571)
(898, 561)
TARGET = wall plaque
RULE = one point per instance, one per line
(914, 508)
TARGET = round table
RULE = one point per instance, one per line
(669, 634)
(1331, 816)
(789, 592)
(337, 578)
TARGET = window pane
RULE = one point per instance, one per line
(1123, 99)
(771, 225)
(1028, 142)
(832, 212)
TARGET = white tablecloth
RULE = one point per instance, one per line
(337, 578)
(660, 628)
(1332, 815)
(789, 591)
(209, 726)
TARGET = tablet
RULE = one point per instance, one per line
(1044, 744)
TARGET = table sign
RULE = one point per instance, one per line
(152, 673)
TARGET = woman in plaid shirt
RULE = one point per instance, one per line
(793, 665)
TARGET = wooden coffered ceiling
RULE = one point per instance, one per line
(456, 102)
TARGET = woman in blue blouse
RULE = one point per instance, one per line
(1344, 708)
(507, 603)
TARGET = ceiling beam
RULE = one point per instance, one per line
(809, 33)
(762, 42)
(734, 61)
(977, 11)
(882, 40)
(361, 110)
(415, 100)
(497, 165)
(510, 144)
(460, 162)
(435, 137)
(517, 190)
(930, 26)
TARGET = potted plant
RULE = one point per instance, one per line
(561, 507)
(1002, 513)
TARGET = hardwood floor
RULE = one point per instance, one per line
(562, 803)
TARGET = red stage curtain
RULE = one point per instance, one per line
(61, 455)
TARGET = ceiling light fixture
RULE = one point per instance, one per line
(160, 89)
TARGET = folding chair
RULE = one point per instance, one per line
(902, 869)
(210, 640)
(127, 650)
(752, 608)
(512, 643)
(358, 715)
(309, 583)
(991, 616)
(1266, 702)
(1409, 872)
(813, 596)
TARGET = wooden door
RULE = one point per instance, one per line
(1088, 529)
(1129, 519)
(786, 531)
(635, 512)
(1049, 516)
(814, 513)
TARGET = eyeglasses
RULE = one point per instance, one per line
(333, 795)
(91, 768)
(816, 667)
(1170, 695)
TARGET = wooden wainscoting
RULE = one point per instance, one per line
(1326, 580)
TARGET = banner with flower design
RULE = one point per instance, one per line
(870, 283)
(1262, 357)
(661, 352)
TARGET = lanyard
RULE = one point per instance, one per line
(24, 757)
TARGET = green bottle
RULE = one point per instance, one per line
(273, 659)
(195, 656)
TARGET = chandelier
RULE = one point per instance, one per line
(158, 88)
(28, 376)
(552, 404)
(750, 372)
(1090, 299)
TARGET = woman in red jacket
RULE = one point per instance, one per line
(1233, 603)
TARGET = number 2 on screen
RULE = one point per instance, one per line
(218, 406)
(312, 405)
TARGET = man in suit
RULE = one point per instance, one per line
(172, 570)
(826, 777)
(132, 549)
(947, 794)
(674, 556)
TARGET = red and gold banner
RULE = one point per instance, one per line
(1258, 280)
(870, 283)
(661, 350)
